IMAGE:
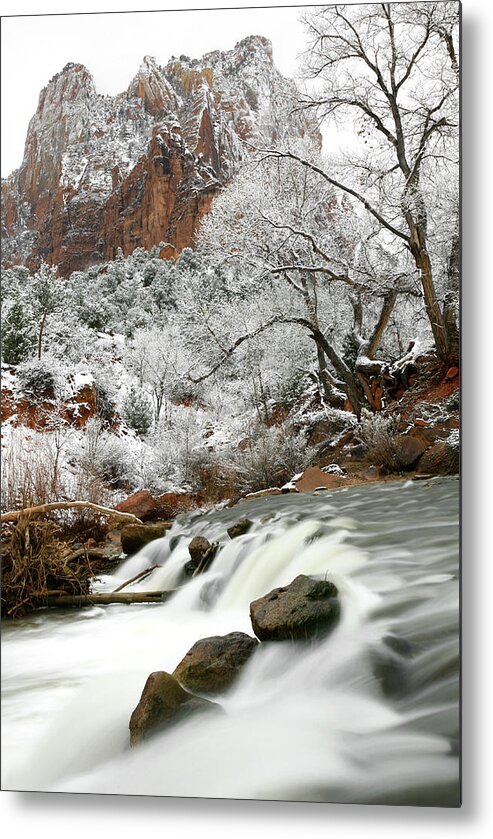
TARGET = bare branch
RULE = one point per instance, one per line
(276, 153)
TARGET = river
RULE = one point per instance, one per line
(368, 715)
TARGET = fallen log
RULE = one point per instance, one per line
(90, 553)
(52, 600)
(13, 515)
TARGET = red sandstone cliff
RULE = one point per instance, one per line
(101, 173)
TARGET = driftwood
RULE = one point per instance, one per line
(137, 577)
(13, 515)
(54, 600)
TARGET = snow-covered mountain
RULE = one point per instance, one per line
(101, 172)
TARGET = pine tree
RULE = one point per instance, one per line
(17, 336)
(137, 411)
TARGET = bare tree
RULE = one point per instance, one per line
(391, 72)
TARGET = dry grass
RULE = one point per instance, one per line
(35, 561)
(31, 475)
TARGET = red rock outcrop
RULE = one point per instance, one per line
(101, 173)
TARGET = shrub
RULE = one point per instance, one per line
(102, 456)
(350, 350)
(39, 379)
(105, 402)
(453, 402)
(380, 436)
(180, 455)
(270, 458)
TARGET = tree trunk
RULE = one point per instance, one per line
(322, 375)
(381, 325)
(40, 335)
(451, 300)
(435, 315)
(353, 388)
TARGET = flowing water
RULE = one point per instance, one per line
(370, 714)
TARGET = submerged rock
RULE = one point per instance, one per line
(163, 703)
(306, 608)
(212, 664)
(135, 536)
(242, 526)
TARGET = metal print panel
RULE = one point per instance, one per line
(230, 358)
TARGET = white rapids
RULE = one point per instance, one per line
(370, 714)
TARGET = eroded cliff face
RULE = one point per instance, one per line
(101, 173)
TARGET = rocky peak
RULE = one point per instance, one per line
(73, 83)
(151, 86)
(61, 120)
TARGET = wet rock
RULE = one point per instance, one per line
(440, 459)
(212, 664)
(264, 493)
(242, 526)
(306, 608)
(163, 703)
(135, 536)
(202, 552)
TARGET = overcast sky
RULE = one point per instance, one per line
(112, 46)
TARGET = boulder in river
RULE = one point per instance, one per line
(212, 664)
(135, 536)
(242, 526)
(202, 552)
(163, 703)
(304, 609)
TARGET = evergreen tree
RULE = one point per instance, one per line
(17, 335)
(137, 411)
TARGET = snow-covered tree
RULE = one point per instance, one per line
(389, 73)
(284, 249)
(47, 295)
